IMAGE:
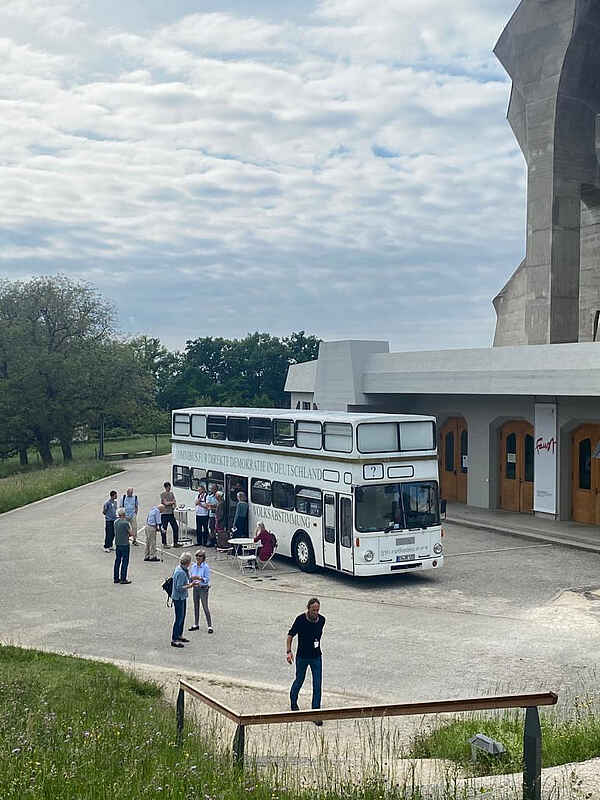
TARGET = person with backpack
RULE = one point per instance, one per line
(129, 502)
(179, 593)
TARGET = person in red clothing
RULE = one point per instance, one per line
(267, 540)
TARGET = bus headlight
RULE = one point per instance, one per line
(369, 555)
(437, 548)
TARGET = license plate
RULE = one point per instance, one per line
(407, 557)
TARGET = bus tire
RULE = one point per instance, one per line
(303, 553)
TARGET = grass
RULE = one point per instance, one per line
(566, 738)
(25, 487)
(80, 730)
(87, 451)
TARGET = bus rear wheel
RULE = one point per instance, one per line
(304, 555)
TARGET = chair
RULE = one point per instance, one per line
(223, 553)
(269, 561)
(247, 561)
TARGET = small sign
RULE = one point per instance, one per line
(511, 458)
(373, 472)
(331, 475)
(465, 462)
(407, 471)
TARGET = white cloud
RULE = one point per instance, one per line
(351, 174)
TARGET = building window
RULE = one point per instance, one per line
(585, 464)
(305, 405)
(284, 495)
(237, 429)
(464, 451)
(449, 452)
(216, 428)
(261, 492)
(511, 456)
(529, 458)
(181, 477)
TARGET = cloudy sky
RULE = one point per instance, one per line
(218, 167)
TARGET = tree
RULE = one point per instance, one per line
(61, 366)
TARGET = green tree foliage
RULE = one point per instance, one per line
(60, 365)
(235, 372)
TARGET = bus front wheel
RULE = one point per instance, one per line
(304, 555)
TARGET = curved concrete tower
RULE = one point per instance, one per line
(551, 50)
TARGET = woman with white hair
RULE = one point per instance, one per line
(179, 593)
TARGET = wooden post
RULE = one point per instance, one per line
(101, 439)
(180, 714)
(239, 741)
(532, 755)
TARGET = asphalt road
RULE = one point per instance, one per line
(502, 615)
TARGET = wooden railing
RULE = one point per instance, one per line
(532, 735)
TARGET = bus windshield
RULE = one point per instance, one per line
(397, 506)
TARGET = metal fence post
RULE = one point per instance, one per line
(180, 714)
(532, 755)
(239, 740)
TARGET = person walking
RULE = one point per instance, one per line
(129, 502)
(309, 629)
(167, 499)
(201, 518)
(200, 576)
(240, 519)
(153, 526)
(109, 509)
(179, 593)
(122, 532)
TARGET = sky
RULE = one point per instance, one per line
(342, 167)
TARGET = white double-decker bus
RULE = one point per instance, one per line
(357, 493)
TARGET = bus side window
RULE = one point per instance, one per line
(216, 428)
(181, 477)
(198, 478)
(308, 501)
(346, 522)
(284, 495)
(261, 492)
(216, 478)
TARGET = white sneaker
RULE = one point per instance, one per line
(210, 630)
(107, 549)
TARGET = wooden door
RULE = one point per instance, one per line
(516, 466)
(454, 460)
(586, 474)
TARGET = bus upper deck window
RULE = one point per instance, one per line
(181, 424)
(260, 430)
(283, 432)
(199, 425)
(216, 427)
(237, 429)
(417, 435)
(338, 437)
(309, 435)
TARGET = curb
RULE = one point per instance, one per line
(576, 544)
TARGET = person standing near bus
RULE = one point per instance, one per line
(240, 520)
(212, 503)
(201, 518)
(109, 509)
(130, 503)
(309, 629)
(153, 526)
(167, 499)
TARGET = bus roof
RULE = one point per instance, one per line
(298, 414)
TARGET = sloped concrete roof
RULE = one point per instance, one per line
(301, 377)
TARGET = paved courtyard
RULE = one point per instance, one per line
(504, 614)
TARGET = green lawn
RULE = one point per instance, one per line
(86, 451)
(80, 730)
(25, 487)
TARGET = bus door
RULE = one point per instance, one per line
(337, 532)
(233, 485)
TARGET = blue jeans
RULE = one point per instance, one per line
(121, 562)
(316, 668)
(180, 609)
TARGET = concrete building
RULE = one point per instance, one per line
(519, 423)
(518, 427)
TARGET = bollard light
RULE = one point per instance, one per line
(481, 742)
